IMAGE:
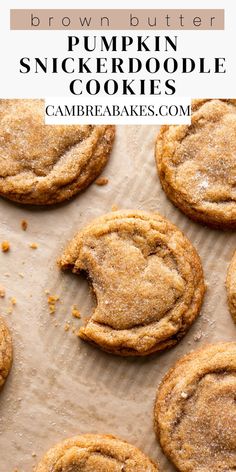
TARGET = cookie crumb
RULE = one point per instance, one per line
(197, 336)
(114, 208)
(5, 246)
(21, 274)
(101, 181)
(75, 312)
(66, 327)
(12, 302)
(2, 292)
(184, 395)
(52, 300)
(24, 225)
(33, 245)
(34, 454)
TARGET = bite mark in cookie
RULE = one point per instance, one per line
(147, 279)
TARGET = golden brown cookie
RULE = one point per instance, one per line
(231, 286)
(195, 410)
(95, 453)
(147, 279)
(5, 352)
(197, 163)
(45, 164)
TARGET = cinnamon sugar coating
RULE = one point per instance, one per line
(93, 452)
(197, 163)
(5, 352)
(147, 279)
(195, 410)
(46, 164)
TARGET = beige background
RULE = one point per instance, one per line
(118, 19)
(59, 385)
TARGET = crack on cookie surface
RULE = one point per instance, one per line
(98, 453)
(195, 412)
(147, 279)
(197, 164)
(45, 164)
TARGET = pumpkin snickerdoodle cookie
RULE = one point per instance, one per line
(195, 411)
(147, 279)
(45, 164)
(93, 452)
(231, 286)
(197, 163)
(5, 352)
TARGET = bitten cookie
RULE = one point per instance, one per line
(195, 411)
(231, 287)
(147, 279)
(5, 352)
(93, 452)
(44, 164)
(197, 163)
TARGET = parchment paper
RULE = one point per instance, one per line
(60, 386)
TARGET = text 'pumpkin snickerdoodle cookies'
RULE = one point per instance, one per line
(147, 279)
(5, 352)
(231, 286)
(197, 163)
(93, 452)
(195, 411)
(45, 164)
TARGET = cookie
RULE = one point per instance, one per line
(93, 452)
(46, 164)
(197, 163)
(5, 352)
(231, 287)
(147, 279)
(195, 410)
